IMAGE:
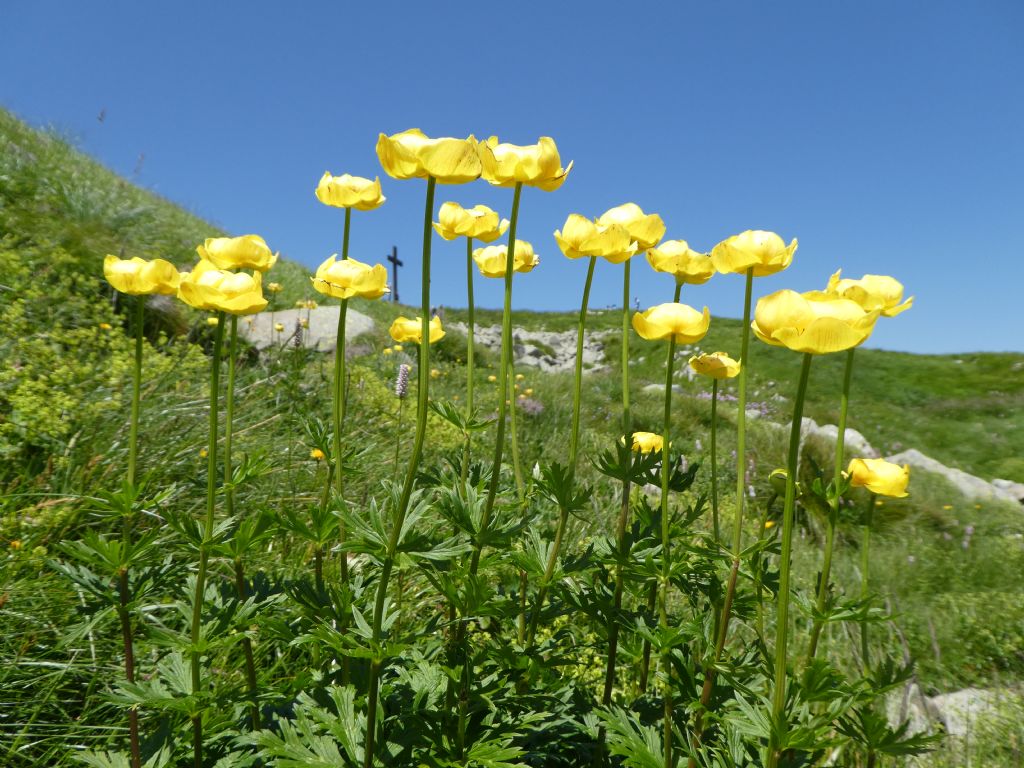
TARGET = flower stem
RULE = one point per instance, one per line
(666, 560)
(422, 399)
(124, 594)
(714, 460)
(133, 424)
(229, 417)
(574, 439)
(623, 522)
(652, 597)
(470, 328)
(833, 515)
(338, 416)
(737, 536)
(204, 545)
(782, 609)
(506, 354)
(865, 561)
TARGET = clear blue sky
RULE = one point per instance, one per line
(887, 136)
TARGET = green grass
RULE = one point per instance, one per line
(62, 413)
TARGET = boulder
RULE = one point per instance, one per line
(970, 486)
(857, 445)
(548, 351)
(1014, 489)
(321, 335)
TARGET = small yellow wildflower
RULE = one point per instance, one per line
(213, 322)
(520, 377)
(16, 544)
(304, 323)
(434, 373)
(203, 453)
(397, 347)
(492, 378)
(947, 506)
(769, 524)
(105, 326)
(279, 327)
(386, 351)
(316, 454)
(529, 390)
(274, 288)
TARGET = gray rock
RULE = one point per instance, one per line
(321, 334)
(857, 445)
(970, 486)
(548, 351)
(1015, 489)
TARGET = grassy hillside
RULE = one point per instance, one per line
(945, 565)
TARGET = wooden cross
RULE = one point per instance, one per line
(395, 264)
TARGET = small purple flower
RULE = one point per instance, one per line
(969, 531)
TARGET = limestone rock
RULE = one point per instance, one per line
(970, 486)
(857, 445)
(321, 334)
(1015, 489)
(548, 351)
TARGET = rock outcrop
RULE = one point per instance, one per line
(321, 334)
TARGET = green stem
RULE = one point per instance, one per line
(759, 571)
(833, 517)
(133, 425)
(645, 663)
(666, 561)
(126, 531)
(574, 439)
(506, 353)
(422, 399)
(737, 537)
(470, 328)
(514, 432)
(623, 521)
(338, 410)
(714, 460)
(563, 514)
(865, 541)
(204, 553)
(229, 417)
(782, 609)
(398, 439)
(250, 661)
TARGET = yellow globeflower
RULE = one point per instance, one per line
(880, 477)
(245, 252)
(879, 292)
(348, 277)
(138, 277)
(717, 365)
(404, 329)
(813, 322)
(646, 442)
(279, 327)
(412, 155)
(580, 236)
(764, 252)
(274, 288)
(492, 378)
(347, 191)
(387, 351)
(213, 322)
(216, 290)
(535, 165)
(106, 327)
(646, 228)
(676, 258)
(492, 260)
(478, 222)
(679, 322)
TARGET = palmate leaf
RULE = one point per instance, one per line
(638, 745)
(870, 729)
(318, 736)
(448, 411)
(160, 759)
